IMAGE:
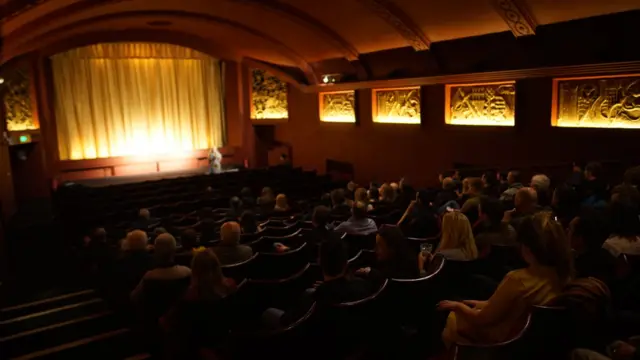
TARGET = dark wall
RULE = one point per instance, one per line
(419, 152)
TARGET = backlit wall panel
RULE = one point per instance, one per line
(338, 107)
(396, 106)
(487, 104)
(268, 97)
(597, 102)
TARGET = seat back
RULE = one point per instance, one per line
(278, 265)
(550, 334)
(506, 350)
(159, 295)
(239, 271)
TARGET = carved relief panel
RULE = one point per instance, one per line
(604, 102)
(268, 97)
(338, 106)
(490, 104)
(397, 106)
(17, 103)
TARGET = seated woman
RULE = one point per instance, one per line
(395, 259)
(199, 319)
(361, 196)
(550, 265)
(457, 241)
(281, 205)
(266, 201)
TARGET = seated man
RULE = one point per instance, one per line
(229, 251)
(337, 287)
(321, 227)
(358, 223)
(340, 204)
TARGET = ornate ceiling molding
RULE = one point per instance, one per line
(13, 8)
(517, 17)
(257, 64)
(308, 70)
(308, 22)
(400, 21)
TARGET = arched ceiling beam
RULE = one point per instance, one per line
(309, 22)
(517, 16)
(308, 70)
(400, 21)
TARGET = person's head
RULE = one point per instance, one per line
(333, 259)
(624, 220)
(565, 202)
(267, 194)
(391, 245)
(208, 190)
(491, 212)
(361, 195)
(248, 222)
(325, 200)
(394, 186)
(206, 274)
(514, 177)
(246, 192)
(374, 194)
(337, 197)
(540, 182)
(475, 186)
(387, 193)
(359, 210)
(593, 171)
(136, 240)
(281, 202)
(144, 214)
(351, 186)
(490, 178)
(448, 184)
(230, 233)
(423, 197)
(589, 230)
(455, 174)
(625, 192)
(189, 239)
(457, 234)
(526, 199)
(632, 176)
(159, 230)
(235, 203)
(543, 243)
(164, 249)
(320, 217)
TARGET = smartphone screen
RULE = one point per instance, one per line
(426, 247)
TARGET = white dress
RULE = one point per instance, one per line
(215, 162)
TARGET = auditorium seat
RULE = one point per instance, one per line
(506, 350)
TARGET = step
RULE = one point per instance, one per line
(45, 304)
(116, 344)
(60, 333)
(51, 316)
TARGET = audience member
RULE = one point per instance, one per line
(340, 208)
(526, 204)
(491, 180)
(248, 201)
(457, 241)
(447, 195)
(565, 203)
(133, 263)
(229, 251)
(624, 192)
(321, 231)
(249, 223)
(235, 208)
(587, 233)
(358, 223)
(470, 206)
(625, 230)
(267, 200)
(395, 258)
(282, 205)
(362, 196)
(374, 196)
(419, 220)
(143, 222)
(165, 267)
(541, 184)
(545, 248)
(594, 188)
(189, 239)
(491, 230)
(387, 196)
(515, 183)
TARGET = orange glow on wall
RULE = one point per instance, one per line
(480, 104)
(337, 106)
(609, 102)
(396, 106)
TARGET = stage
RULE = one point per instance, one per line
(128, 179)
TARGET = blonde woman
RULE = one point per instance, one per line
(457, 241)
(282, 204)
(546, 250)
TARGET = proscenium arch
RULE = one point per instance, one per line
(296, 58)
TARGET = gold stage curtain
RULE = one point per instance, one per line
(125, 99)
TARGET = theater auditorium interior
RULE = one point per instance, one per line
(320, 179)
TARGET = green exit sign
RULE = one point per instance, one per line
(23, 138)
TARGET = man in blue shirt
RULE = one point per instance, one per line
(358, 223)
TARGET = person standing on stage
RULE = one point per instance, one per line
(215, 161)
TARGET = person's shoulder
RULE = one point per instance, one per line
(245, 249)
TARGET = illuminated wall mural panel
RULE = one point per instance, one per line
(268, 97)
(17, 102)
(489, 104)
(397, 106)
(338, 106)
(603, 102)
